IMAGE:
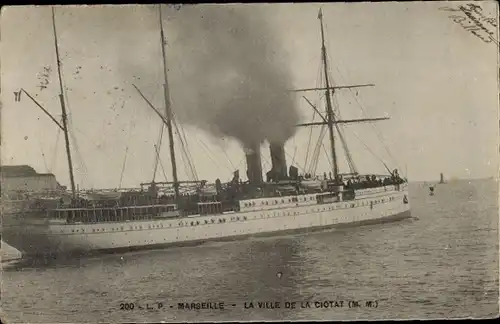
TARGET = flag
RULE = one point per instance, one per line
(320, 14)
(17, 95)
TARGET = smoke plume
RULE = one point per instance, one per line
(229, 74)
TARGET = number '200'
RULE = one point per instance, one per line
(127, 306)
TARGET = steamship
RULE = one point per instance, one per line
(182, 212)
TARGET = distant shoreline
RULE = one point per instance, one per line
(451, 180)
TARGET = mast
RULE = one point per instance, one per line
(329, 110)
(330, 119)
(168, 110)
(63, 109)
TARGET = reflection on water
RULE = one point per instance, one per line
(414, 269)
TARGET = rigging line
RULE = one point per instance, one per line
(64, 90)
(54, 156)
(340, 129)
(329, 160)
(185, 169)
(188, 152)
(227, 156)
(379, 135)
(348, 155)
(349, 159)
(323, 131)
(294, 154)
(185, 157)
(43, 155)
(318, 83)
(158, 147)
(207, 153)
(368, 148)
(132, 125)
(300, 167)
(183, 147)
(163, 170)
(359, 102)
(240, 163)
(88, 139)
(309, 142)
(159, 141)
(317, 150)
(161, 164)
(184, 150)
(83, 167)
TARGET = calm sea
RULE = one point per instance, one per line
(445, 264)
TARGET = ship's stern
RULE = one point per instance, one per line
(29, 234)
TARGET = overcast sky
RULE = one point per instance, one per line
(436, 81)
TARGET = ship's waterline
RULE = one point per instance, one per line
(49, 237)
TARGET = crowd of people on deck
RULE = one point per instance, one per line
(372, 182)
(362, 182)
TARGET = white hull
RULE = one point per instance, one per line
(280, 215)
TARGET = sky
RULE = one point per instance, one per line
(436, 81)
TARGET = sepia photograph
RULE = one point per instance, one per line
(249, 162)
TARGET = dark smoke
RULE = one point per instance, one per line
(229, 74)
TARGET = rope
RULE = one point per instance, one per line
(83, 167)
(207, 151)
(132, 125)
(225, 153)
(159, 142)
(329, 160)
(157, 150)
(363, 110)
(185, 155)
(318, 84)
(54, 156)
(188, 153)
(340, 129)
(161, 164)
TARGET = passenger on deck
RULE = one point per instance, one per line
(349, 184)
